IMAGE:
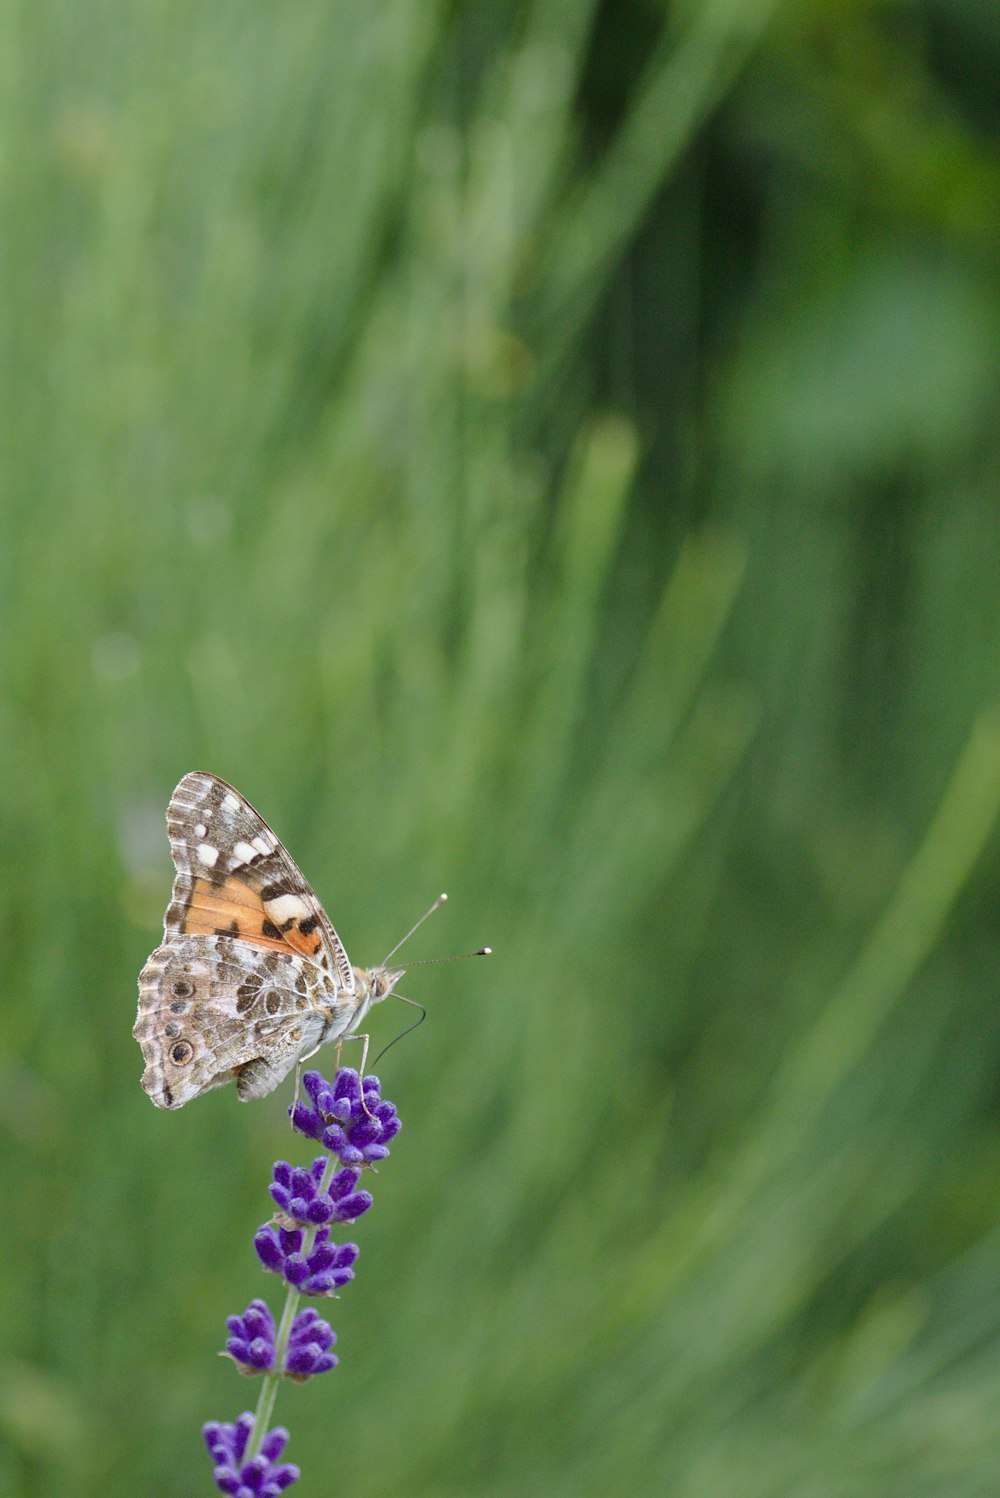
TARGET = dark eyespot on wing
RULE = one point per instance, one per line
(269, 929)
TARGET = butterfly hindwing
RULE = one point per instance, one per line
(214, 1008)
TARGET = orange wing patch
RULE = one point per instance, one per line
(229, 909)
(306, 942)
(234, 908)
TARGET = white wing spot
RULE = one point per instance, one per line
(207, 854)
(200, 830)
(262, 845)
(285, 907)
(230, 801)
(242, 853)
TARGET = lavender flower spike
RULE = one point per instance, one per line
(354, 1125)
(357, 1130)
(263, 1476)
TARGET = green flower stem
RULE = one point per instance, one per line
(269, 1388)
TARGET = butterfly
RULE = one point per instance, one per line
(251, 978)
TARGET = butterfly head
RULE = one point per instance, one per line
(377, 983)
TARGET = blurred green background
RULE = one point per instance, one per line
(548, 452)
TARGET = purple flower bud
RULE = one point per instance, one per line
(309, 1344)
(251, 1338)
(272, 1247)
(263, 1476)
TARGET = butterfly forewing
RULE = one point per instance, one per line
(235, 878)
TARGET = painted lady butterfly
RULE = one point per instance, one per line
(251, 977)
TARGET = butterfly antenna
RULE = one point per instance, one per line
(416, 1023)
(439, 901)
(426, 961)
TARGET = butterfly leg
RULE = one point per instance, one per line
(361, 1073)
(365, 1039)
(295, 1094)
(298, 1078)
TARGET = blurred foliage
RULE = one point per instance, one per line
(546, 451)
